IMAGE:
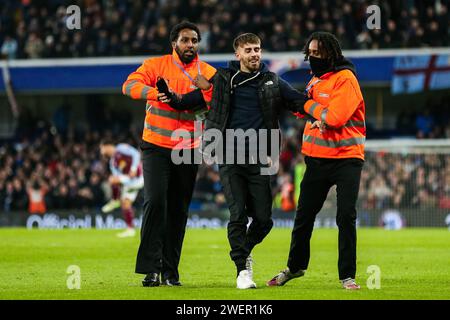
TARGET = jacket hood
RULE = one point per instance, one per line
(236, 65)
(343, 64)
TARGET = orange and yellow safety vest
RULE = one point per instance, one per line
(161, 120)
(336, 99)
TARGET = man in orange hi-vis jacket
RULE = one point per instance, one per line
(168, 186)
(333, 145)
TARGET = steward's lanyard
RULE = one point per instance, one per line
(309, 87)
(184, 71)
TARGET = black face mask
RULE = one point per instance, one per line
(319, 66)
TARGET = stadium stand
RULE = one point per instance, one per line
(36, 29)
(55, 158)
(65, 162)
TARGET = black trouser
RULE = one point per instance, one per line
(167, 194)
(320, 175)
(248, 194)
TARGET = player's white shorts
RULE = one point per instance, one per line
(131, 189)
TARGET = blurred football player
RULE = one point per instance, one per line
(126, 180)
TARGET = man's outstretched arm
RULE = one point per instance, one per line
(195, 99)
(294, 99)
(141, 83)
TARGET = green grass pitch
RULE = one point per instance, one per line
(414, 264)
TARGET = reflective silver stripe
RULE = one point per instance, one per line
(129, 86)
(171, 114)
(352, 123)
(312, 84)
(349, 124)
(305, 138)
(144, 92)
(323, 116)
(168, 133)
(313, 107)
(200, 114)
(332, 143)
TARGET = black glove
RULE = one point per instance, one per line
(301, 104)
(298, 105)
(163, 88)
(190, 101)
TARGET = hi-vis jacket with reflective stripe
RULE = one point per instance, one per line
(336, 99)
(161, 120)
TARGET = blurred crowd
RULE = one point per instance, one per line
(66, 170)
(37, 29)
(433, 122)
(58, 167)
(389, 180)
(396, 180)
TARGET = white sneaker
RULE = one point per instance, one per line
(244, 280)
(284, 276)
(249, 265)
(129, 232)
(110, 206)
(350, 284)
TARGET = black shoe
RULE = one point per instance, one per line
(151, 280)
(171, 282)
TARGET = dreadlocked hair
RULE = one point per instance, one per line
(328, 46)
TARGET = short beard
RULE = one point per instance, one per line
(249, 67)
(183, 58)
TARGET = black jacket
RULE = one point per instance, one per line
(273, 94)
